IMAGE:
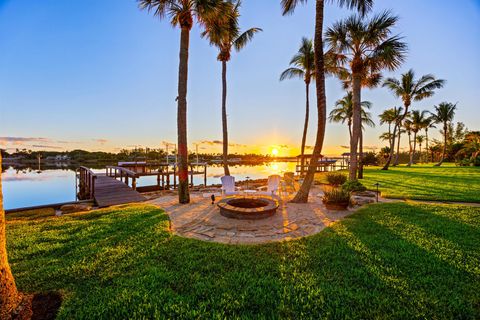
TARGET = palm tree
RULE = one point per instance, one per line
(428, 124)
(397, 155)
(288, 7)
(344, 113)
(420, 139)
(182, 14)
(226, 35)
(386, 136)
(303, 67)
(389, 116)
(409, 89)
(393, 115)
(408, 126)
(444, 114)
(363, 49)
(9, 296)
(418, 121)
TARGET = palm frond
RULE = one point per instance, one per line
(362, 6)
(291, 73)
(288, 6)
(245, 38)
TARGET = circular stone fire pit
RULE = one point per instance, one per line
(251, 208)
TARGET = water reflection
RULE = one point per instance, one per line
(25, 186)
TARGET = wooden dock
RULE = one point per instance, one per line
(110, 192)
(104, 190)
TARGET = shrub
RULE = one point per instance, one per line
(336, 195)
(370, 159)
(336, 178)
(353, 185)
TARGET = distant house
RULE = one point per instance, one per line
(58, 158)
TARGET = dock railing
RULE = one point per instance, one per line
(85, 183)
(123, 173)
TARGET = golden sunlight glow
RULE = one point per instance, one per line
(275, 152)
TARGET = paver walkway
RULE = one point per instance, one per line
(202, 220)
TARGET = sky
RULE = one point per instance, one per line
(102, 75)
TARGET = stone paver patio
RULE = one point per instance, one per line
(201, 220)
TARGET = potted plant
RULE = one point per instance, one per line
(336, 199)
(336, 178)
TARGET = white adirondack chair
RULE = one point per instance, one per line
(273, 186)
(228, 185)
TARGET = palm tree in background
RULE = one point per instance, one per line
(444, 114)
(182, 14)
(9, 296)
(428, 124)
(409, 89)
(390, 116)
(303, 67)
(417, 119)
(288, 7)
(408, 126)
(362, 49)
(343, 112)
(225, 34)
(386, 136)
(419, 140)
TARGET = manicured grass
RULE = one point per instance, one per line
(387, 261)
(426, 182)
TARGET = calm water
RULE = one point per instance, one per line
(31, 187)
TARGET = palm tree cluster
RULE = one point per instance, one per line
(414, 122)
(219, 19)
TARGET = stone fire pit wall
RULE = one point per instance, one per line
(249, 208)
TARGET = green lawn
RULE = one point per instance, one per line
(426, 182)
(397, 261)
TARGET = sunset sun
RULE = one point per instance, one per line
(274, 152)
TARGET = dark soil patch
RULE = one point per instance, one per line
(45, 306)
(41, 306)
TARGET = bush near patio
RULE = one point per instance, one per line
(387, 261)
(426, 182)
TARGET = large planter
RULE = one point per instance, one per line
(336, 205)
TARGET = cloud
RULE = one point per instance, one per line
(309, 147)
(41, 146)
(219, 143)
(345, 147)
(101, 141)
(34, 142)
(22, 140)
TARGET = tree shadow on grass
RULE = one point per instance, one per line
(127, 265)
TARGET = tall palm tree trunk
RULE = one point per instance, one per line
(305, 126)
(409, 148)
(360, 156)
(302, 194)
(392, 147)
(397, 155)
(9, 296)
(426, 143)
(412, 150)
(357, 125)
(444, 151)
(183, 192)
(224, 119)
